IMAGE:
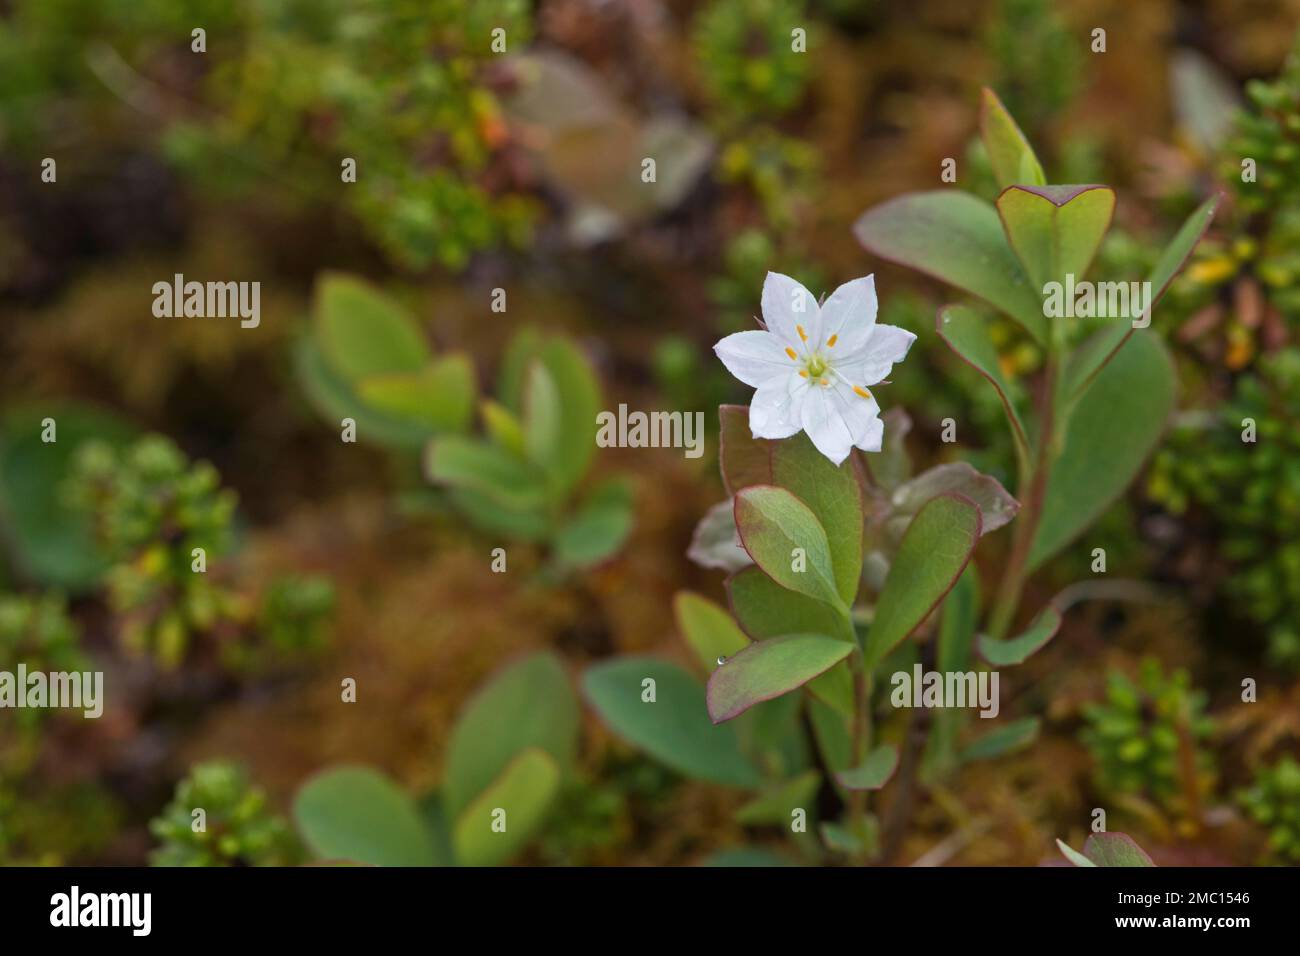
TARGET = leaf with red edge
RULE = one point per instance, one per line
(786, 540)
(770, 668)
(930, 558)
(1056, 230)
(1010, 154)
(956, 238)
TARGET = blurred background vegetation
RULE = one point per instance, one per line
(478, 170)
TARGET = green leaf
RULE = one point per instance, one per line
(832, 732)
(1006, 739)
(1101, 347)
(674, 728)
(744, 459)
(51, 543)
(490, 471)
(523, 347)
(1018, 649)
(523, 523)
(874, 771)
(360, 815)
(1056, 230)
(543, 419)
(1114, 427)
(930, 558)
(892, 465)
(362, 332)
(835, 688)
(579, 402)
(776, 806)
(996, 506)
(707, 628)
(772, 735)
(433, 811)
(1010, 154)
(527, 705)
(770, 668)
(957, 623)
(773, 523)
(834, 495)
(1115, 849)
(841, 839)
(1180, 248)
(335, 399)
(599, 528)
(1093, 354)
(525, 790)
(1073, 855)
(956, 238)
(966, 333)
(715, 542)
(441, 395)
(502, 426)
(765, 609)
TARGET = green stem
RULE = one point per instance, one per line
(861, 740)
(1033, 489)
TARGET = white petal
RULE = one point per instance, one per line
(871, 362)
(875, 435)
(754, 357)
(825, 426)
(857, 411)
(849, 315)
(774, 410)
(789, 307)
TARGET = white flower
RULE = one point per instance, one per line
(814, 365)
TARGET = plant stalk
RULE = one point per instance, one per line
(1031, 510)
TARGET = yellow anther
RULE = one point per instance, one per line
(861, 391)
(802, 334)
(791, 352)
(830, 343)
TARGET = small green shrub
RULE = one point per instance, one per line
(1138, 733)
(158, 518)
(234, 828)
(744, 52)
(1273, 801)
(1251, 489)
(37, 631)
